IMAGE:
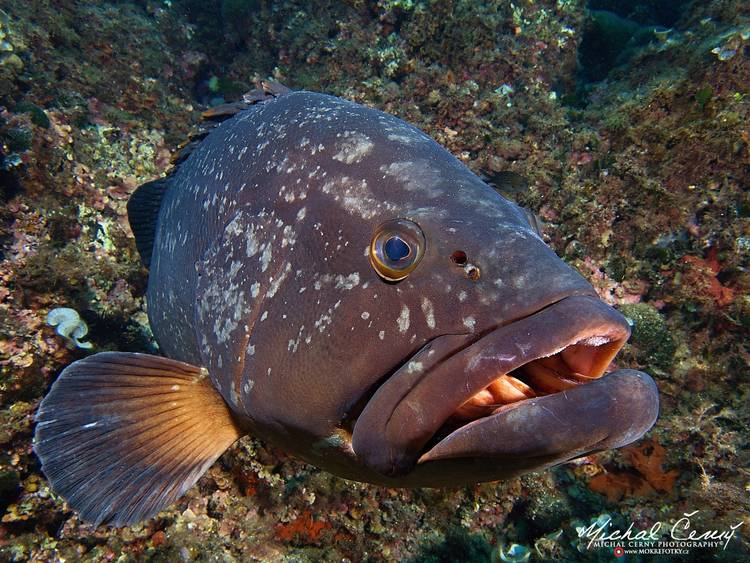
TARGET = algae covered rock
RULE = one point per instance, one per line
(651, 339)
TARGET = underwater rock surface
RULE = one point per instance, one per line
(638, 172)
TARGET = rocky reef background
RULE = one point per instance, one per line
(629, 122)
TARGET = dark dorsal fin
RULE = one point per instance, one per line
(510, 185)
(264, 90)
(506, 183)
(144, 204)
(143, 213)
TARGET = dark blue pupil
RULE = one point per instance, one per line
(396, 249)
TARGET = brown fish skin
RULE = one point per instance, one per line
(262, 273)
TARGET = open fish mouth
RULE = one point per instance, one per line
(535, 388)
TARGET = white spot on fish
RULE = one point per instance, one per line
(354, 148)
(265, 257)
(523, 348)
(405, 139)
(247, 386)
(429, 312)
(470, 323)
(290, 237)
(365, 315)
(355, 197)
(251, 246)
(381, 334)
(403, 320)
(347, 282)
(276, 283)
(462, 296)
(254, 290)
(416, 175)
(414, 367)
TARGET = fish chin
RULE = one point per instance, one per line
(530, 390)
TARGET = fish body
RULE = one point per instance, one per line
(355, 294)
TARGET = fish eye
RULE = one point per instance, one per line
(397, 247)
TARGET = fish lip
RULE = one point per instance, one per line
(406, 411)
(611, 412)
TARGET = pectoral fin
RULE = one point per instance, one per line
(123, 435)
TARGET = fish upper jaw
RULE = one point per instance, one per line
(495, 396)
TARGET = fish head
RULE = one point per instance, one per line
(424, 333)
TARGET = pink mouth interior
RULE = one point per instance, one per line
(576, 364)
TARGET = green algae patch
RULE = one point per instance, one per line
(18, 139)
(703, 96)
(38, 115)
(651, 339)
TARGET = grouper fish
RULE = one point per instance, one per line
(328, 278)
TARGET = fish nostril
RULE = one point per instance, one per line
(459, 258)
(472, 272)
